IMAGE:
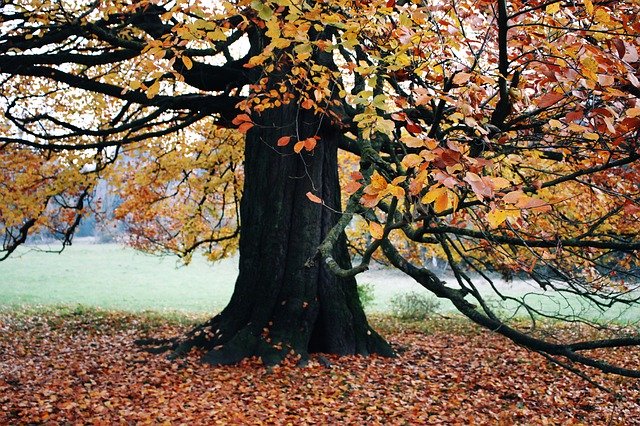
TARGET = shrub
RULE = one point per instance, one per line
(365, 293)
(413, 306)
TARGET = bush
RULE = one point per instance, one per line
(365, 293)
(414, 306)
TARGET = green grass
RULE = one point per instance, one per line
(113, 277)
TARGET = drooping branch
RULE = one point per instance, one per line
(428, 280)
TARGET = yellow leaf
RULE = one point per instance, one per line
(496, 217)
(411, 160)
(376, 230)
(588, 5)
(440, 197)
(591, 136)
(281, 43)
(553, 8)
(154, 89)
(378, 182)
(633, 112)
(555, 124)
(412, 141)
(187, 62)
(396, 191)
(432, 194)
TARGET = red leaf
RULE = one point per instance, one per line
(414, 128)
(549, 99)
(283, 141)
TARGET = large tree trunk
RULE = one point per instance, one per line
(284, 300)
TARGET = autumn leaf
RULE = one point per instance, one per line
(412, 160)
(461, 78)
(241, 118)
(187, 62)
(514, 197)
(496, 217)
(439, 196)
(310, 143)
(313, 198)
(352, 186)
(376, 230)
(413, 128)
(307, 104)
(298, 147)
(549, 99)
(37, 389)
(153, 90)
(283, 141)
(633, 112)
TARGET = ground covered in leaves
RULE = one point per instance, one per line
(81, 367)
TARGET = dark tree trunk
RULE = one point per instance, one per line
(284, 300)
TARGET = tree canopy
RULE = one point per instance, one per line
(499, 135)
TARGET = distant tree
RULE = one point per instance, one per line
(499, 135)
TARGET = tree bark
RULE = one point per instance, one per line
(284, 300)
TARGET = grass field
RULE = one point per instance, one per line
(115, 277)
(110, 276)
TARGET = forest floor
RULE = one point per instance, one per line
(75, 366)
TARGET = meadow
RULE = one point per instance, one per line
(111, 276)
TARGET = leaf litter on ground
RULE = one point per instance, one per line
(82, 367)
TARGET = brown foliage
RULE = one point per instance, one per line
(83, 369)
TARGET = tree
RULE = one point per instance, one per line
(502, 136)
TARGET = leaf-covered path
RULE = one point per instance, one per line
(83, 368)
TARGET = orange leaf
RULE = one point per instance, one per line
(314, 198)
(369, 200)
(376, 230)
(310, 143)
(513, 197)
(283, 141)
(633, 112)
(298, 147)
(244, 127)
(356, 175)
(351, 187)
(307, 104)
(241, 118)
(442, 202)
